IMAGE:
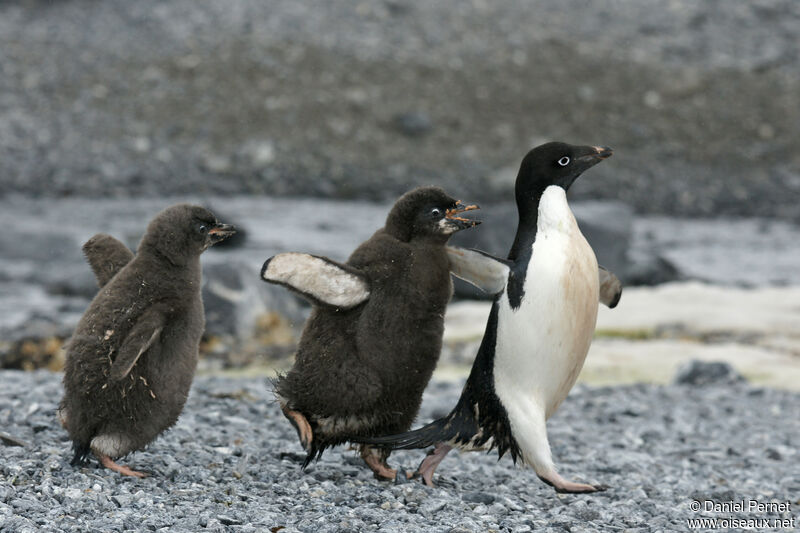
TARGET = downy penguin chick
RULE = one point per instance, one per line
(132, 357)
(374, 336)
(539, 329)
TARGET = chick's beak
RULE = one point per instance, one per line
(460, 222)
(220, 232)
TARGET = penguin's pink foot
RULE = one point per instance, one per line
(377, 463)
(428, 465)
(569, 487)
(302, 426)
(109, 463)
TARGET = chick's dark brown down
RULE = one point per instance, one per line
(132, 357)
(368, 351)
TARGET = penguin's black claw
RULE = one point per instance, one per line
(601, 487)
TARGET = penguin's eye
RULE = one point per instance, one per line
(202, 229)
(436, 212)
(564, 161)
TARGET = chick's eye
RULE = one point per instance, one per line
(202, 229)
(564, 161)
(435, 212)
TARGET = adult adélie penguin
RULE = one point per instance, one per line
(539, 329)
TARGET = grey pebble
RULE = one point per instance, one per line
(478, 497)
(433, 506)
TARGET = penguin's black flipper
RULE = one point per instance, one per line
(610, 288)
(139, 340)
(320, 280)
(106, 256)
(488, 273)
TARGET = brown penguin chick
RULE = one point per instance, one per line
(373, 339)
(106, 256)
(132, 357)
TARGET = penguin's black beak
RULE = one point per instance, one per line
(220, 232)
(590, 157)
(454, 222)
(595, 154)
(603, 152)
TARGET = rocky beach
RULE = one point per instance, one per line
(232, 464)
(300, 123)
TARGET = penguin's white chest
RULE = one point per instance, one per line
(541, 345)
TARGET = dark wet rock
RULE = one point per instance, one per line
(702, 373)
(235, 298)
(649, 268)
(774, 454)
(608, 226)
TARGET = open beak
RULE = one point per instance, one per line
(220, 232)
(459, 223)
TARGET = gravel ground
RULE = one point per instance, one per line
(230, 464)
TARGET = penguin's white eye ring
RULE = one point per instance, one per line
(436, 212)
(564, 161)
(202, 229)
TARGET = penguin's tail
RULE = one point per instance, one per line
(313, 453)
(441, 430)
(81, 452)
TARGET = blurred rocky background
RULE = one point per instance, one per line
(301, 121)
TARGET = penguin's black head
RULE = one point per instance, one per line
(427, 213)
(555, 163)
(184, 231)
